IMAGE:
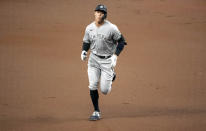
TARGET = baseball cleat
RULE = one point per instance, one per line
(95, 116)
(114, 76)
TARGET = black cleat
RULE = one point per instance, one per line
(114, 76)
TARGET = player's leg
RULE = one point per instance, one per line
(107, 74)
(94, 75)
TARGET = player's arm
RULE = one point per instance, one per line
(120, 46)
(86, 40)
(85, 48)
(118, 37)
(121, 43)
(85, 45)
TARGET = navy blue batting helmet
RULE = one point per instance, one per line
(102, 8)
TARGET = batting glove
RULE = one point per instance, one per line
(83, 55)
(114, 60)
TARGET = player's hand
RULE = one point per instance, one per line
(83, 55)
(114, 60)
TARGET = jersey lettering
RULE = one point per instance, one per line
(102, 39)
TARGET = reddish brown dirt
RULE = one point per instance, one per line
(161, 73)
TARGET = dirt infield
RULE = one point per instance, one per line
(161, 74)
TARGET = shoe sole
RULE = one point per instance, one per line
(94, 118)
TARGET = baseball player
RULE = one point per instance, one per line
(105, 43)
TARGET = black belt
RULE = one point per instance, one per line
(103, 57)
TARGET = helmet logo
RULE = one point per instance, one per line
(101, 6)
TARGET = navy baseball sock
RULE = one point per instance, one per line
(95, 96)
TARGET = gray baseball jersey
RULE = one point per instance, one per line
(103, 39)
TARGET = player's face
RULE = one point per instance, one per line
(98, 16)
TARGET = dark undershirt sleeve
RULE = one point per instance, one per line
(85, 46)
(120, 46)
